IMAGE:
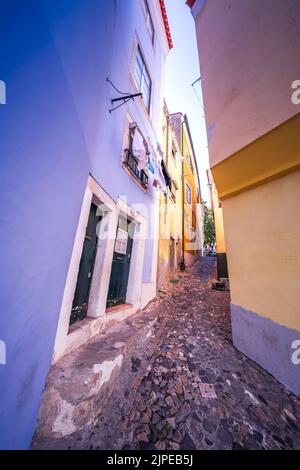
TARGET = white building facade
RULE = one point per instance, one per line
(81, 247)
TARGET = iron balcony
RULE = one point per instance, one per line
(132, 164)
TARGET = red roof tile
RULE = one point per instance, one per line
(166, 23)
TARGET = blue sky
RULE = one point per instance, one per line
(182, 71)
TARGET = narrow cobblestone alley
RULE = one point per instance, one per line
(166, 407)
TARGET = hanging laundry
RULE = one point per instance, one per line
(151, 165)
(161, 179)
(139, 149)
(159, 149)
(156, 184)
(142, 164)
(166, 175)
(156, 175)
(154, 157)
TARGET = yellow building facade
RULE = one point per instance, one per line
(252, 106)
(180, 221)
(216, 205)
(192, 210)
(170, 216)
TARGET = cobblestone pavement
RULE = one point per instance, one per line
(165, 407)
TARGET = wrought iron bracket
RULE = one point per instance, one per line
(126, 97)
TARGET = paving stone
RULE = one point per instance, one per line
(209, 426)
(160, 445)
(191, 345)
(177, 436)
(145, 418)
(251, 444)
(161, 424)
(180, 415)
(208, 442)
(224, 436)
(187, 443)
(172, 422)
(142, 437)
(258, 436)
(169, 401)
(289, 442)
(278, 439)
(141, 406)
(290, 415)
(174, 445)
(237, 446)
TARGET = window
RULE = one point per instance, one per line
(191, 233)
(121, 241)
(173, 191)
(142, 78)
(188, 194)
(133, 159)
(173, 151)
(149, 21)
(189, 160)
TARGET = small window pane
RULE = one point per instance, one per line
(145, 7)
(142, 78)
(150, 28)
(138, 75)
(146, 94)
(121, 241)
(188, 194)
(140, 57)
(147, 78)
(149, 21)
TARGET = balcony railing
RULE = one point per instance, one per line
(132, 164)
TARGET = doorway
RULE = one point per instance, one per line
(86, 268)
(121, 262)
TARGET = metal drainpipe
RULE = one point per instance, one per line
(182, 264)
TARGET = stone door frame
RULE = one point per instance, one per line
(67, 339)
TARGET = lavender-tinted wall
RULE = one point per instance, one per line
(54, 130)
(268, 344)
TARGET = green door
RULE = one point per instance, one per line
(86, 267)
(121, 263)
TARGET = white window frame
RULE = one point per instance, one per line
(144, 69)
(149, 20)
(190, 163)
(174, 149)
(186, 200)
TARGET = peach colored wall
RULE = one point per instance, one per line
(191, 179)
(219, 223)
(262, 228)
(218, 214)
(249, 56)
